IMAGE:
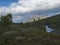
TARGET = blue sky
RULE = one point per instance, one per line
(24, 9)
(7, 2)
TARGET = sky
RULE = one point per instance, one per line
(21, 10)
(7, 2)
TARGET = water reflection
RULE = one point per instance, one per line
(48, 29)
(52, 30)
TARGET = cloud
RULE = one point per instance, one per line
(23, 6)
(30, 7)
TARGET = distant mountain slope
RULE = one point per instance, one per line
(54, 20)
(35, 17)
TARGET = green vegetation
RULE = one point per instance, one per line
(31, 33)
(53, 21)
(5, 23)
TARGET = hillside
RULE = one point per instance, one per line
(53, 21)
(30, 33)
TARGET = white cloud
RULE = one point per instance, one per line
(28, 5)
(23, 6)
